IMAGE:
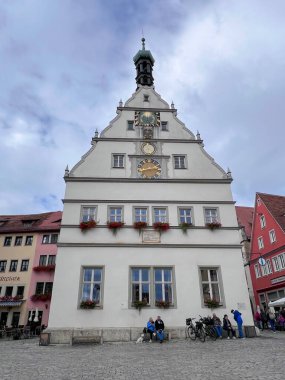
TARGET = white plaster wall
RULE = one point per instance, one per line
(116, 311)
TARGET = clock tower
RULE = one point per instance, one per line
(149, 222)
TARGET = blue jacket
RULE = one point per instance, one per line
(237, 317)
(150, 326)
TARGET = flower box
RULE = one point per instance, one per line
(88, 304)
(44, 268)
(115, 226)
(213, 225)
(87, 225)
(40, 297)
(139, 304)
(162, 304)
(10, 298)
(211, 303)
(140, 226)
(184, 227)
(161, 226)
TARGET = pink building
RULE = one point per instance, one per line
(41, 283)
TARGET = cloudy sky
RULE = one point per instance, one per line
(64, 66)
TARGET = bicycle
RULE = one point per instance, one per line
(196, 331)
(209, 328)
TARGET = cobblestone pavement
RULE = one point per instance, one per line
(255, 358)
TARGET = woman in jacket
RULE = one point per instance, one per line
(150, 328)
(227, 326)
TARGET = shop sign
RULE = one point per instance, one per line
(9, 278)
(277, 280)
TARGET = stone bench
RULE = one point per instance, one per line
(167, 336)
(86, 339)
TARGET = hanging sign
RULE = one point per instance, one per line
(261, 261)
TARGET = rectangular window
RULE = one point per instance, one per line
(88, 213)
(272, 236)
(179, 162)
(92, 285)
(3, 264)
(7, 241)
(48, 288)
(262, 221)
(185, 215)
(51, 259)
(29, 240)
(276, 263)
(140, 214)
(118, 160)
(13, 265)
(164, 126)
(160, 214)
(50, 239)
(9, 291)
(15, 319)
(257, 271)
(211, 215)
(42, 260)
(146, 98)
(24, 265)
(268, 264)
(40, 287)
(210, 284)
(260, 242)
(264, 270)
(130, 125)
(163, 285)
(282, 260)
(115, 214)
(20, 291)
(18, 240)
(140, 284)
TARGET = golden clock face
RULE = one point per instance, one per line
(148, 148)
(149, 169)
(148, 118)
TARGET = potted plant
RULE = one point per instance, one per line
(212, 303)
(40, 297)
(184, 227)
(87, 225)
(44, 268)
(115, 226)
(161, 226)
(88, 304)
(213, 225)
(139, 304)
(140, 226)
(162, 304)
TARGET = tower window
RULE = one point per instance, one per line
(130, 126)
(164, 126)
(145, 97)
(118, 160)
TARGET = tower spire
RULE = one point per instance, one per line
(144, 62)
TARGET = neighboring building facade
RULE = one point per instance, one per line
(245, 218)
(20, 239)
(146, 167)
(268, 243)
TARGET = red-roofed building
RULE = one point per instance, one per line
(267, 258)
(24, 239)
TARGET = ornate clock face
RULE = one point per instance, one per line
(149, 168)
(148, 148)
(148, 118)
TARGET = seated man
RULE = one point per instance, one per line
(159, 326)
(227, 326)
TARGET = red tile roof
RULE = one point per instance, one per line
(245, 219)
(38, 222)
(276, 206)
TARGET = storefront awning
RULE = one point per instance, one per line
(10, 303)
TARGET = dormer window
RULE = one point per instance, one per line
(28, 223)
(146, 97)
(262, 221)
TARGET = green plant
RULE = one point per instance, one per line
(88, 304)
(162, 304)
(161, 226)
(87, 225)
(139, 304)
(115, 226)
(213, 225)
(184, 227)
(212, 303)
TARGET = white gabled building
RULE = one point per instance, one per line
(146, 166)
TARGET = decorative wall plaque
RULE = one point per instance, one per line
(150, 236)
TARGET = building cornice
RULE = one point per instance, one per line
(139, 201)
(128, 139)
(141, 180)
(149, 245)
(150, 227)
(267, 254)
(172, 110)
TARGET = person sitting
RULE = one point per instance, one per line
(150, 328)
(159, 326)
(218, 327)
(227, 326)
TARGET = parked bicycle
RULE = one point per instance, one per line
(209, 327)
(195, 331)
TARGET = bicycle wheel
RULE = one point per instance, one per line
(202, 335)
(212, 333)
(191, 333)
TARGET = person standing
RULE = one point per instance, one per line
(263, 319)
(227, 326)
(218, 326)
(271, 318)
(159, 327)
(239, 321)
(150, 328)
(257, 318)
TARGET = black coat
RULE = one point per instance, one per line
(159, 325)
(227, 324)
